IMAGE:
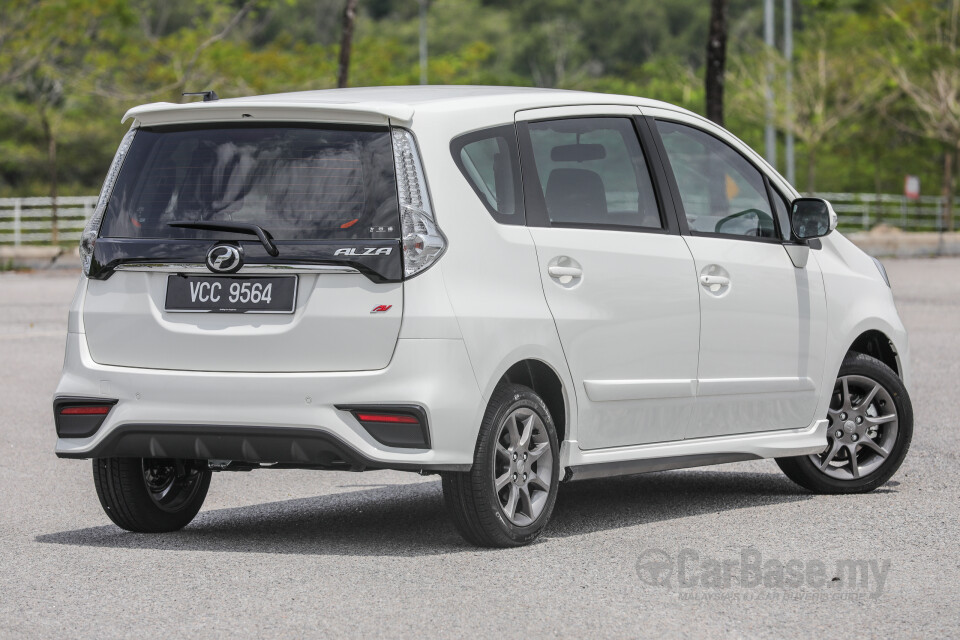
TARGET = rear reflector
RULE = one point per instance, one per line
(403, 426)
(85, 411)
(80, 417)
(386, 417)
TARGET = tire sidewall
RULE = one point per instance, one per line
(126, 499)
(519, 398)
(866, 366)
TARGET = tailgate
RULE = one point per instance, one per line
(259, 247)
(331, 329)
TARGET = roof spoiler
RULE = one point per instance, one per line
(270, 110)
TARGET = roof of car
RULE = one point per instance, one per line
(399, 103)
(421, 94)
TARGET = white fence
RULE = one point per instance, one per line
(30, 220)
(866, 210)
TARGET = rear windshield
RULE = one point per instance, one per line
(298, 183)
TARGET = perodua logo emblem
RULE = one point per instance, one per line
(225, 258)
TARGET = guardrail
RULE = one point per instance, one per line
(863, 211)
(30, 220)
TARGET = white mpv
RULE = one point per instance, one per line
(510, 287)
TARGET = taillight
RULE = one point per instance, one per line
(402, 426)
(422, 240)
(80, 417)
(92, 229)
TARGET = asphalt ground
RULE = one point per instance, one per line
(729, 551)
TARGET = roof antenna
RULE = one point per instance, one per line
(208, 96)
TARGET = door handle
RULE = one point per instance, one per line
(559, 272)
(708, 281)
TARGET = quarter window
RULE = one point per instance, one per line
(592, 171)
(488, 160)
(721, 192)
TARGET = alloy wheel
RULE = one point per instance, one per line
(863, 429)
(523, 467)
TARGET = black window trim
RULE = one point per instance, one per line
(786, 235)
(675, 189)
(536, 208)
(813, 243)
(508, 131)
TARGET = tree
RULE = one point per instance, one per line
(716, 60)
(45, 93)
(830, 89)
(161, 58)
(45, 45)
(346, 42)
(108, 55)
(29, 33)
(928, 73)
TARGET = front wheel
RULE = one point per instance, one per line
(148, 495)
(871, 425)
(506, 499)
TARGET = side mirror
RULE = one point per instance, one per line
(812, 218)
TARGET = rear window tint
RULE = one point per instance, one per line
(488, 160)
(298, 183)
(592, 171)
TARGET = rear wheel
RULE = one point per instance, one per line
(507, 498)
(149, 495)
(871, 425)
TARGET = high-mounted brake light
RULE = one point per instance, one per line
(92, 230)
(423, 242)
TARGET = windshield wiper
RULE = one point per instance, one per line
(237, 227)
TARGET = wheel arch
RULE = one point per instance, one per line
(874, 336)
(546, 383)
(877, 344)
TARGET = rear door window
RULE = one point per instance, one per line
(297, 182)
(592, 171)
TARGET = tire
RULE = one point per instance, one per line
(480, 512)
(146, 495)
(866, 379)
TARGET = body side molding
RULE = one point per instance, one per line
(613, 390)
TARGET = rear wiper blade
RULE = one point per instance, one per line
(237, 227)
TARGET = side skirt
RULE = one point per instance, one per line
(663, 456)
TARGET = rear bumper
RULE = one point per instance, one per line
(276, 446)
(282, 418)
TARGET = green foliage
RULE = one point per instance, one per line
(69, 69)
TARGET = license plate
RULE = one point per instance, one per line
(232, 294)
